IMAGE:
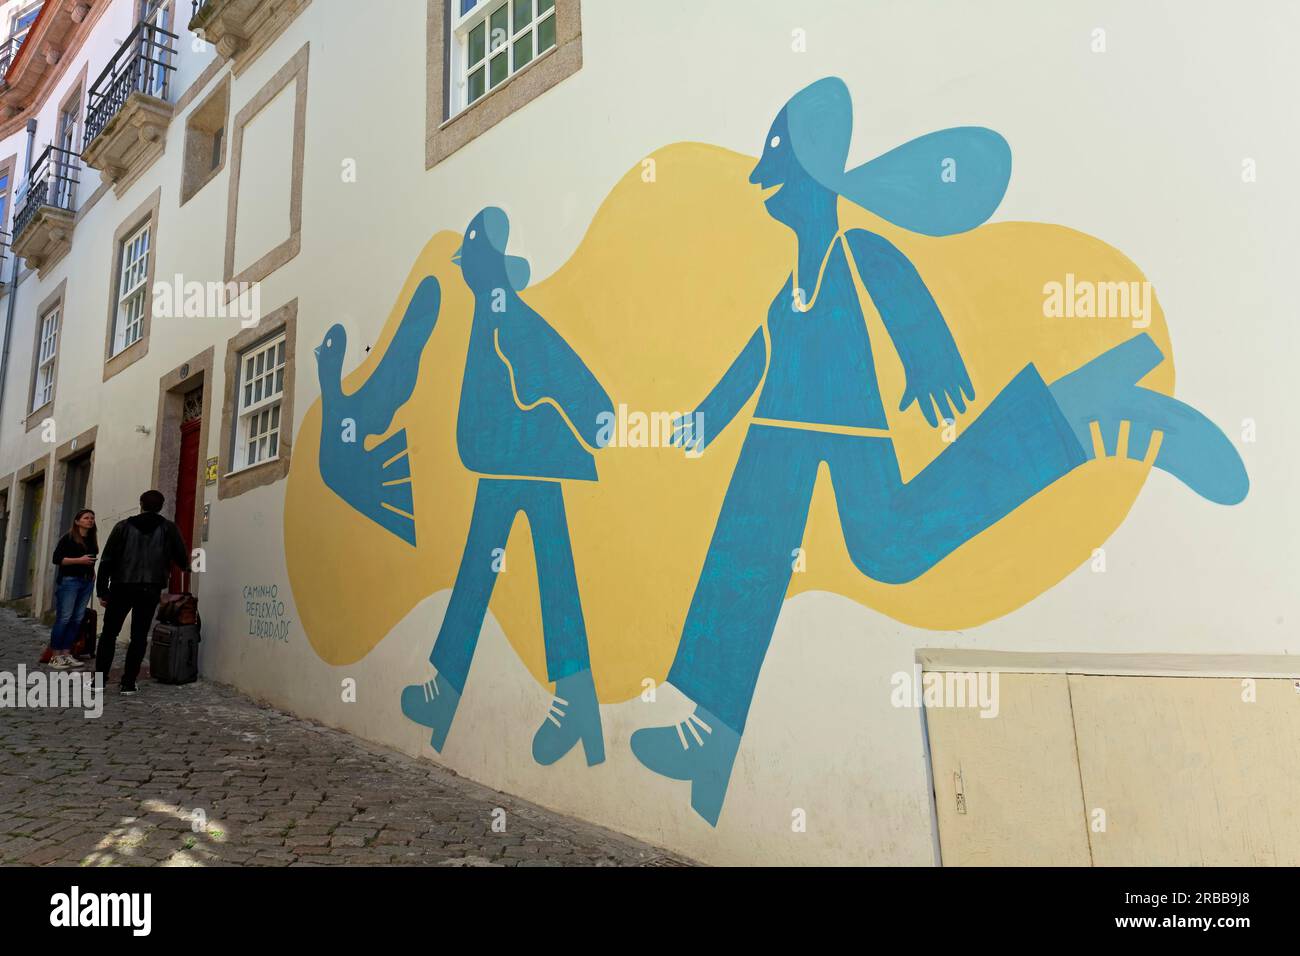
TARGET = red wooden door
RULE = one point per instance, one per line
(186, 479)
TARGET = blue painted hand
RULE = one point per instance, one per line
(943, 390)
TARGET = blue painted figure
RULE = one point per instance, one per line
(819, 373)
(376, 482)
(529, 411)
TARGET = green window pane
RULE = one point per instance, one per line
(546, 34)
(476, 84)
(477, 41)
(523, 14)
(500, 68)
(523, 50)
(499, 27)
(544, 5)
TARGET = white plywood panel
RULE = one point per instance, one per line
(1019, 777)
(1190, 771)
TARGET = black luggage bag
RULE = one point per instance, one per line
(174, 653)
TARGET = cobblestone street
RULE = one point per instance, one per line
(200, 775)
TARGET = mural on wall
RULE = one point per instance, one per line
(1020, 440)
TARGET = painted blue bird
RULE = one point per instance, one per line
(376, 481)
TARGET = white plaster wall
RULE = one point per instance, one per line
(1141, 145)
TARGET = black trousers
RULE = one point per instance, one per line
(140, 601)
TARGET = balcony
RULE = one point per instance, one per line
(241, 29)
(8, 51)
(31, 60)
(127, 111)
(43, 223)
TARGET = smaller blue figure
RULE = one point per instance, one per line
(528, 405)
(376, 482)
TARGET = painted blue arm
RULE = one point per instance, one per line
(726, 399)
(936, 374)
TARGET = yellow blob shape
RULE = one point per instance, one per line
(668, 284)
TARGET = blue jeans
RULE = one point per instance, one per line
(564, 633)
(70, 598)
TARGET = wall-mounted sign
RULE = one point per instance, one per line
(210, 472)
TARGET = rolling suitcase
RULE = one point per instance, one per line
(84, 648)
(174, 653)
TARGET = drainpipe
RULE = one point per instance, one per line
(13, 275)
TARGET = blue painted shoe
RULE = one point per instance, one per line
(574, 716)
(431, 704)
(1192, 448)
(701, 749)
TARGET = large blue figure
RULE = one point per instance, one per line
(820, 402)
(526, 400)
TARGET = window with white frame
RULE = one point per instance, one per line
(494, 39)
(132, 294)
(260, 391)
(47, 350)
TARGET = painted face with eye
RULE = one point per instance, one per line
(777, 171)
(482, 254)
(329, 354)
(482, 250)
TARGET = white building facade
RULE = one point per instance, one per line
(196, 194)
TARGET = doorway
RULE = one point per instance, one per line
(29, 537)
(187, 474)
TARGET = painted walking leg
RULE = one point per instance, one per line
(1030, 435)
(1192, 448)
(733, 612)
(433, 703)
(895, 532)
(575, 712)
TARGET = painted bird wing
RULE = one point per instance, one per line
(391, 384)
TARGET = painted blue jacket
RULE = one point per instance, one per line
(519, 375)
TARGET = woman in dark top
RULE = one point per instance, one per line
(74, 556)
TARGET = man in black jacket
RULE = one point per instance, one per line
(133, 569)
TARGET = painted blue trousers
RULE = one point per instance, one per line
(565, 634)
(894, 531)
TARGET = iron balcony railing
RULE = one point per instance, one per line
(8, 53)
(53, 182)
(143, 64)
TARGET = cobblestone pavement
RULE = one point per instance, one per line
(273, 790)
